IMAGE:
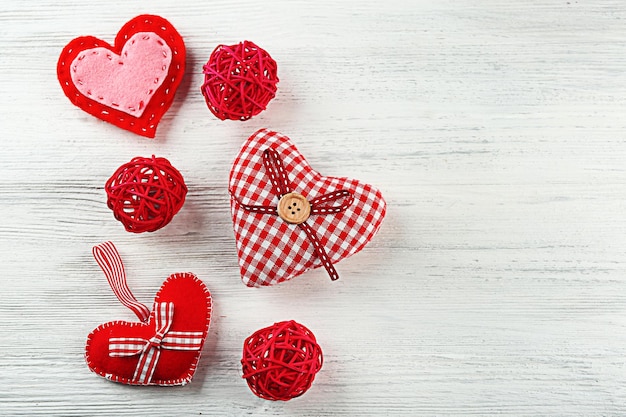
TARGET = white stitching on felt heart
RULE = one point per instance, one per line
(128, 86)
(109, 260)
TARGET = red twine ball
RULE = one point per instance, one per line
(239, 81)
(145, 194)
(280, 361)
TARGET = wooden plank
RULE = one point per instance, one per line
(495, 130)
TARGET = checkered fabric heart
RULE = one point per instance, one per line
(345, 213)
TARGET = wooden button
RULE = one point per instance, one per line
(294, 208)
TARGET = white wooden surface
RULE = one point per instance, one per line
(496, 131)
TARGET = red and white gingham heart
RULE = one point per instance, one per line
(271, 250)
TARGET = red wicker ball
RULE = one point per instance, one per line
(239, 81)
(145, 194)
(280, 361)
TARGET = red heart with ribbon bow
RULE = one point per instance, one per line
(130, 84)
(165, 346)
(289, 218)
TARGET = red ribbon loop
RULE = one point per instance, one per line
(319, 205)
(276, 172)
(109, 259)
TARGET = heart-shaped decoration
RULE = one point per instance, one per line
(288, 218)
(164, 347)
(130, 84)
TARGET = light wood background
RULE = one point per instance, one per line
(494, 128)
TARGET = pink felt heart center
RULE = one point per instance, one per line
(127, 81)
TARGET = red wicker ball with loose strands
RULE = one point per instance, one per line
(145, 194)
(239, 81)
(280, 361)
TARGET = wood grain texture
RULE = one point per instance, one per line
(495, 129)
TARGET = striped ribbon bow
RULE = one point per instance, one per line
(324, 204)
(149, 350)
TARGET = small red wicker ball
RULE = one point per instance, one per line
(280, 361)
(145, 194)
(239, 81)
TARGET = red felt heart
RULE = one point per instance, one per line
(191, 303)
(272, 250)
(130, 84)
